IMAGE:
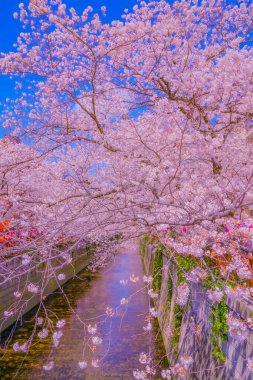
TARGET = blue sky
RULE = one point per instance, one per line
(10, 29)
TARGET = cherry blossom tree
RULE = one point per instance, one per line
(141, 126)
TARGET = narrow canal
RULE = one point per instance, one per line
(89, 295)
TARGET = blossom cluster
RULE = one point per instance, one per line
(183, 292)
(237, 328)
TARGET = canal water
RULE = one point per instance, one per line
(88, 297)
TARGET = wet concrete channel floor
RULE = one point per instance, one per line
(89, 295)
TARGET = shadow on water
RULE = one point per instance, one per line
(88, 296)
(10, 362)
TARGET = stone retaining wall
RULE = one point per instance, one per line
(80, 260)
(198, 344)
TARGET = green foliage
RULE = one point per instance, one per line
(184, 264)
(159, 354)
(143, 243)
(208, 283)
(177, 322)
(218, 317)
(157, 268)
(170, 291)
(219, 329)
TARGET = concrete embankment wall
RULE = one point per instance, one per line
(192, 335)
(80, 259)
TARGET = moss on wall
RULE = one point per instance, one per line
(177, 323)
(218, 315)
(184, 264)
(219, 329)
(157, 272)
(143, 244)
(170, 291)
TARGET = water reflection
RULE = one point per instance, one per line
(89, 295)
